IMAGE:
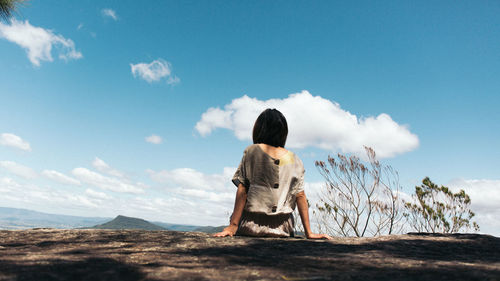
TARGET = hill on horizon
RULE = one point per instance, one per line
(123, 222)
(17, 218)
(210, 229)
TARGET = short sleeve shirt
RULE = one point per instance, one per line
(271, 183)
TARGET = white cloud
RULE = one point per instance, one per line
(60, 177)
(314, 121)
(38, 42)
(8, 184)
(114, 184)
(80, 26)
(103, 167)
(167, 207)
(193, 179)
(31, 196)
(210, 197)
(314, 191)
(97, 194)
(109, 13)
(484, 193)
(154, 71)
(154, 139)
(172, 80)
(14, 141)
(485, 198)
(18, 169)
(183, 195)
(215, 118)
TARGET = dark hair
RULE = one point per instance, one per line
(270, 128)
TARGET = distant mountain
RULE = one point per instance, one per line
(210, 229)
(123, 222)
(176, 227)
(14, 218)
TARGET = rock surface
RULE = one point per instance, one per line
(50, 254)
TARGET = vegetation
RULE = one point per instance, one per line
(359, 198)
(364, 198)
(7, 7)
(437, 209)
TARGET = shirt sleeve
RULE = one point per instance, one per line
(240, 175)
(298, 185)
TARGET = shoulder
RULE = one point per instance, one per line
(295, 156)
(249, 152)
(297, 159)
(251, 148)
(298, 162)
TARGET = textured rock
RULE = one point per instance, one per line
(49, 254)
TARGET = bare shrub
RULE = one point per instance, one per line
(358, 198)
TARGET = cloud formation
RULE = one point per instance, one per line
(193, 196)
(18, 169)
(31, 196)
(110, 13)
(108, 183)
(177, 201)
(103, 167)
(60, 177)
(208, 197)
(316, 122)
(193, 179)
(116, 180)
(38, 42)
(154, 71)
(96, 194)
(484, 195)
(154, 139)
(14, 141)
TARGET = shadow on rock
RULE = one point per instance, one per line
(88, 269)
(404, 259)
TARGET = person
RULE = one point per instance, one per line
(270, 184)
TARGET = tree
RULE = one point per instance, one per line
(7, 7)
(358, 198)
(437, 209)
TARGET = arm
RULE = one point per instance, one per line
(304, 216)
(239, 205)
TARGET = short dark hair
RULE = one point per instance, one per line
(270, 128)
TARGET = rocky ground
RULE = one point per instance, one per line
(50, 254)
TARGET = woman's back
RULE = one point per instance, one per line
(271, 182)
(274, 152)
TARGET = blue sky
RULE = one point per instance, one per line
(431, 68)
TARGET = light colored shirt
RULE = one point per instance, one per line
(271, 183)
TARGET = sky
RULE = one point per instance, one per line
(109, 107)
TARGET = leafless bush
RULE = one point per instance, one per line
(358, 198)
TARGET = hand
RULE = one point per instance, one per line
(318, 236)
(228, 231)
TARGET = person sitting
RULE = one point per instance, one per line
(270, 183)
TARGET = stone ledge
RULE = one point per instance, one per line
(50, 254)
